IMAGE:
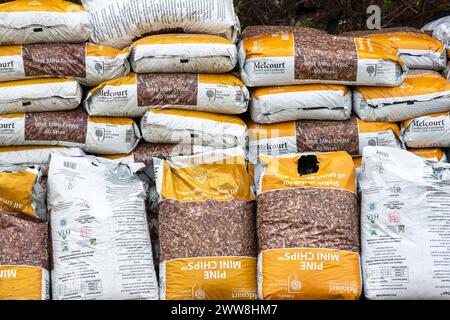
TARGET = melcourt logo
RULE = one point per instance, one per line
(424, 123)
(269, 66)
(7, 125)
(9, 64)
(109, 93)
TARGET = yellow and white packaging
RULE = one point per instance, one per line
(88, 63)
(75, 128)
(193, 127)
(21, 192)
(416, 49)
(302, 102)
(190, 53)
(117, 23)
(436, 154)
(132, 95)
(40, 21)
(39, 95)
(299, 58)
(423, 92)
(404, 218)
(320, 136)
(315, 271)
(219, 176)
(430, 131)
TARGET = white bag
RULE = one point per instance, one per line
(302, 102)
(39, 95)
(118, 23)
(439, 29)
(43, 21)
(191, 53)
(404, 221)
(193, 127)
(101, 242)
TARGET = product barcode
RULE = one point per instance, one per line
(70, 165)
(128, 135)
(238, 96)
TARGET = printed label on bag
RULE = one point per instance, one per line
(48, 126)
(215, 278)
(309, 274)
(24, 283)
(167, 89)
(67, 60)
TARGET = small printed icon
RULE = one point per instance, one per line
(99, 67)
(372, 206)
(199, 294)
(372, 70)
(373, 232)
(401, 229)
(295, 285)
(69, 184)
(85, 232)
(100, 134)
(373, 142)
(211, 94)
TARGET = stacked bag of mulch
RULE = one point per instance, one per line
(314, 94)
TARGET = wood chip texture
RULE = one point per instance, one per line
(207, 229)
(23, 241)
(308, 218)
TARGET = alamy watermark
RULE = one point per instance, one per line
(374, 19)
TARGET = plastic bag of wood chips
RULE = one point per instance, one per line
(132, 95)
(417, 49)
(207, 227)
(302, 102)
(301, 58)
(430, 131)
(21, 191)
(193, 127)
(404, 221)
(351, 136)
(39, 95)
(423, 92)
(252, 31)
(101, 242)
(41, 21)
(24, 258)
(70, 129)
(191, 53)
(118, 23)
(308, 227)
(436, 154)
(89, 63)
